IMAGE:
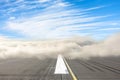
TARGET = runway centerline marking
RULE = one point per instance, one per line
(60, 66)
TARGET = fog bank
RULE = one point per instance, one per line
(77, 47)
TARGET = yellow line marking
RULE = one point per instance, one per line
(70, 70)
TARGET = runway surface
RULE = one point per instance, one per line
(36, 69)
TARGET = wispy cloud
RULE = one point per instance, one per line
(53, 19)
(43, 1)
(52, 25)
(106, 29)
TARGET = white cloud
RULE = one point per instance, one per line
(55, 21)
(107, 29)
(51, 25)
(77, 47)
(93, 8)
(42, 1)
(12, 18)
(3, 38)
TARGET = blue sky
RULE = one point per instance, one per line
(49, 19)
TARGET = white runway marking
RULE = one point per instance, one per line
(60, 66)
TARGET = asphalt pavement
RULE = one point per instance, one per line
(38, 69)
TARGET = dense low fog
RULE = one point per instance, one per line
(76, 47)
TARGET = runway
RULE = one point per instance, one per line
(37, 69)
